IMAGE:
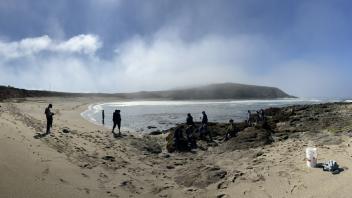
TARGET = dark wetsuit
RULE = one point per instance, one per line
(177, 138)
(117, 121)
(205, 119)
(204, 128)
(49, 119)
(189, 120)
(103, 116)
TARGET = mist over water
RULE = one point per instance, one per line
(138, 115)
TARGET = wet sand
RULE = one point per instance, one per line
(89, 162)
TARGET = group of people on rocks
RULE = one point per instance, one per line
(256, 117)
(202, 132)
(192, 132)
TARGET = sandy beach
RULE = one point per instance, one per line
(89, 162)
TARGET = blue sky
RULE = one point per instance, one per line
(301, 46)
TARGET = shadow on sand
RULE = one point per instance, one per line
(40, 135)
(117, 136)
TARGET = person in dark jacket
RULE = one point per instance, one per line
(116, 118)
(191, 137)
(205, 118)
(178, 136)
(204, 127)
(262, 115)
(103, 116)
(49, 118)
(189, 120)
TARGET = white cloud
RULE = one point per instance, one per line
(25, 47)
(84, 44)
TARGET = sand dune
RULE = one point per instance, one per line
(89, 162)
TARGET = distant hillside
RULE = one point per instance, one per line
(214, 91)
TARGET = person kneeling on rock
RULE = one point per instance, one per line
(231, 131)
(178, 136)
(191, 137)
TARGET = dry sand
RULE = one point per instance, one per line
(89, 162)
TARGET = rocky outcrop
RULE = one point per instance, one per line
(321, 123)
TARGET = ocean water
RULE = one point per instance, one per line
(139, 115)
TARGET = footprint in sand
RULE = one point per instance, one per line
(84, 175)
(63, 181)
(87, 190)
(223, 196)
(223, 185)
(45, 172)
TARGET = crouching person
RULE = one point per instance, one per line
(191, 137)
(178, 136)
(231, 130)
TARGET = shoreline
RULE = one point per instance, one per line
(89, 162)
(93, 110)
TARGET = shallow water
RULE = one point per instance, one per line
(138, 115)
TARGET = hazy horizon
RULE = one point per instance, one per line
(300, 47)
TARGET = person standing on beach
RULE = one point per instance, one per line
(116, 118)
(103, 116)
(49, 118)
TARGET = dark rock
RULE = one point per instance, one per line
(125, 183)
(155, 133)
(170, 167)
(260, 153)
(249, 138)
(218, 131)
(109, 158)
(65, 130)
(151, 127)
(165, 155)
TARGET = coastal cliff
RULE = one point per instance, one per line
(208, 92)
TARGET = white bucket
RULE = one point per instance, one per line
(311, 156)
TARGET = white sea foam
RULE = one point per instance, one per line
(91, 111)
(197, 102)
